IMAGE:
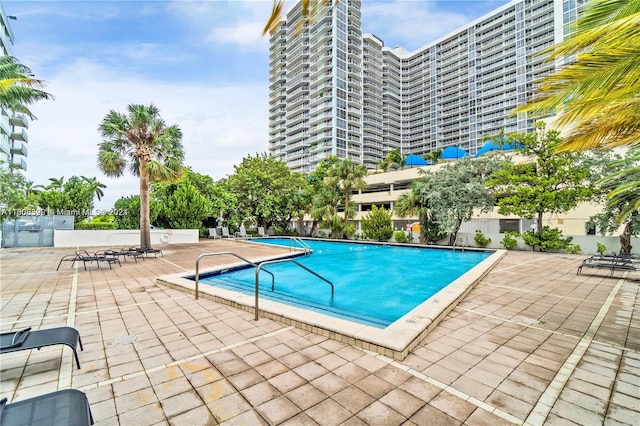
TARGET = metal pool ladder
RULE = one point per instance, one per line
(230, 254)
(272, 285)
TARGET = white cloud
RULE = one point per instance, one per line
(410, 24)
(220, 125)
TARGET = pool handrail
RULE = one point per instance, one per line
(282, 261)
(305, 247)
(231, 254)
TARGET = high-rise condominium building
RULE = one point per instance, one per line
(13, 135)
(336, 91)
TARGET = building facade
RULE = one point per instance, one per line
(336, 91)
(13, 134)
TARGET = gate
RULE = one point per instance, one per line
(33, 231)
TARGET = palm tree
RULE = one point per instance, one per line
(395, 159)
(433, 156)
(31, 190)
(598, 94)
(96, 187)
(349, 176)
(17, 88)
(55, 184)
(143, 143)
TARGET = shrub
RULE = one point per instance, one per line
(377, 224)
(601, 248)
(95, 225)
(574, 249)
(400, 237)
(547, 239)
(509, 241)
(480, 239)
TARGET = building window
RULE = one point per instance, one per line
(509, 225)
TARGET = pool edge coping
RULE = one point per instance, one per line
(395, 341)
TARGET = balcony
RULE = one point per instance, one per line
(19, 135)
(19, 163)
(20, 120)
(19, 148)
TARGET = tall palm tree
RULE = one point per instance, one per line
(349, 176)
(18, 88)
(96, 187)
(143, 143)
(598, 94)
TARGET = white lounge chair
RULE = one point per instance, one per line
(213, 233)
(225, 232)
(261, 232)
(242, 233)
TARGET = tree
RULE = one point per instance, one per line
(597, 93)
(95, 186)
(377, 224)
(622, 206)
(395, 159)
(13, 196)
(416, 203)
(128, 209)
(433, 156)
(349, 176)
(73, 197)
(17, 86)
(55, 184)
(167, 194)
(263, 187)
(458, 190)
(325, 203)
(550, 183)
(186, 208)
(143, 143)
(32, 190)
(224, 204)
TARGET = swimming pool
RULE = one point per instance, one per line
(374, 284)
(395, 340)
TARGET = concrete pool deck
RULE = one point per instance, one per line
(532, 343)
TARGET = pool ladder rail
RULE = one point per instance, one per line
(258, 269)
(294, 242)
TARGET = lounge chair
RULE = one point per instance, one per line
(225, 232)
(123, 252)
(213, 233)
(26, 339)
(147, 251)
(261, 232)
(84, 257)
(64, 407)
(242, 233)
(612, 262)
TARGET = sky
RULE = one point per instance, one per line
(204, 64)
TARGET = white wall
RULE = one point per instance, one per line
(586, 242)
(119, 238)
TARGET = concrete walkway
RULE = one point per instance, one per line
(533, 344)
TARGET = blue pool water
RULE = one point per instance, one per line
(374, 284)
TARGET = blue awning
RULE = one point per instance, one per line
(493, 146)
(453, 152)
(413, 160)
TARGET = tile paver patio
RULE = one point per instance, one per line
(154, 355)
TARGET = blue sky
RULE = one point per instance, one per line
(203, 63)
